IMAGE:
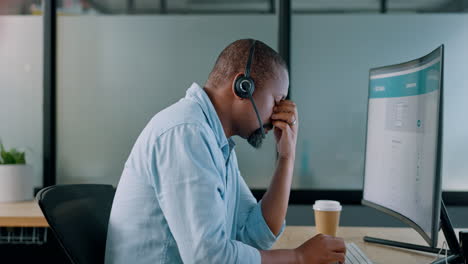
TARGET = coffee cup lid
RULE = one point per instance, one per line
(327, 205)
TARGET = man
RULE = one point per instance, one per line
(181, 197)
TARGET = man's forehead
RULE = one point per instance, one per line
(278, 85)
(282, 88)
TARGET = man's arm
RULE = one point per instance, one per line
(317, 250)
(275, 200)
(190, 192)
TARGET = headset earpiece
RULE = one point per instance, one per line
(244, 87)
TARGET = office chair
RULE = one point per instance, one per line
(78, 215)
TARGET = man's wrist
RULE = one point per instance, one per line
(287, 158)
(289, 256)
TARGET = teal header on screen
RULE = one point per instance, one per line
(415, 83)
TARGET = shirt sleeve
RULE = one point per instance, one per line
(190, 187)
(252, 228)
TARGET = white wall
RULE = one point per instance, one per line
(331, 56)
(21, 87)
(116, 72)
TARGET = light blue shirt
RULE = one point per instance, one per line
(181, 197)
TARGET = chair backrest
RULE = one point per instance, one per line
(78, 215)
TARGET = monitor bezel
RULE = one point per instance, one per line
(437, 197)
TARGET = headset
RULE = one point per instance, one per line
(244, 85)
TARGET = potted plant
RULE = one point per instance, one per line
(15, 176)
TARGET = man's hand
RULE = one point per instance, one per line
(285, 120)
(321, 249)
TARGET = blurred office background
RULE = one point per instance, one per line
(119, 62)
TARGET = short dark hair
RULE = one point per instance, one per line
(233, 60)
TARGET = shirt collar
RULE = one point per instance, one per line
(197, 94)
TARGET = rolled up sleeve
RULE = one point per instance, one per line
(252, 227)
(190, 190)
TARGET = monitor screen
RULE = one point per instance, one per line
(402, 162)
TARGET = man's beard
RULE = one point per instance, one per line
(256, 138)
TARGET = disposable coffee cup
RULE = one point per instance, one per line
(327, 216)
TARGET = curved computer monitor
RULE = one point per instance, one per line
(402, 175)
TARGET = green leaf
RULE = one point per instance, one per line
(18, 156)
(12, 157)
(2, 149)
(8, 158)
(22, 158)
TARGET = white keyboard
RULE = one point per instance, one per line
(354, 255)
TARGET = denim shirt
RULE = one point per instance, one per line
(181, 198)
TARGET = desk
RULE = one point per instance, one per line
(22, 214)
(28, 214)
(294, 236)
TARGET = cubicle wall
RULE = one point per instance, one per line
(21, 66)
(116, 72)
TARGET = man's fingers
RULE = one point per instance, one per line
(287, 102)
(284, 108)
(280, 124)
(340, 257)
(338, 245)
(287, 117)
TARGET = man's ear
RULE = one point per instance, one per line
(233, 86)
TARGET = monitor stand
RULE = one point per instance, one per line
(454, 254)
